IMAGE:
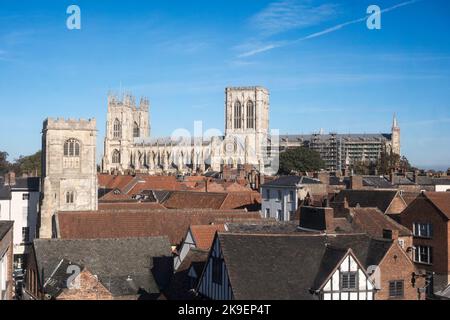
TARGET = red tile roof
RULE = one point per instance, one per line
(130, 222)
(441, 200)
(204, 234)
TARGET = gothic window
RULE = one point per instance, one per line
(117, 129)
(70, 197)
(116, 156)
(71, 148)
(136, 133)
(237, 115)
(250, 115)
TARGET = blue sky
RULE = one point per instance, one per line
(322, 72)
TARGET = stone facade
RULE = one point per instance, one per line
(69, 177)
(128, 147)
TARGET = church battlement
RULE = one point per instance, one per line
(70, 124)
(129, 101)
(247, 88)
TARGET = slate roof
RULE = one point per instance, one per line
(145, 260)
(441, 181)
(5, 226)
(377, 182)
(57, 281)
(380, 199)
(264, 227)
(287, 267)
(5, 191)
(30, 184)
(291, 181)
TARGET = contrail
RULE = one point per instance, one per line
(323, 32)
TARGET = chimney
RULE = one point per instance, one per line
(323, 176)
(390, 234)
(10, 179)
(356, 182)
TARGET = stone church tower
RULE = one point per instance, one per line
(69, 175)
(395, 140)
(125, 123)
(247, 122)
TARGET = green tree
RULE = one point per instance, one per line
(300, 159)
(4, 164)
(30, 165)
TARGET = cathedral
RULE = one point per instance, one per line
(129, 147)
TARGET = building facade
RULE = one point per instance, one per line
(19, 202)
(69, 177)
(128, 146)
(6, 260)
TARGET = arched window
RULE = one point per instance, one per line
(70, 197)
(72, 148)
(116, 156)
(117, 129)
(250, 115)
(136, 132)
(237, 115)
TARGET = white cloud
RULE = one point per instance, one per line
(335, 28)
(285, 15)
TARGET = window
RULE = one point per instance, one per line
(136, 133)
(250, 115)
(70, 197)
(423, 230)
(348, 280)
(217, 270)
(25, 234)
(26, 196)
(423, 254)
(267, 213)
(279, 195)
(396, 289)
(116, 156)
(117, 129)
(71, 148)
(237, 115)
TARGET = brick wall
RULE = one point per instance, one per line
(422, 211)
(397, 205)
(90, 289)
(397, 266)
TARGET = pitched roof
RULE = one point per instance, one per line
(141, 223)
(179, 200)
(204, 234)
(114, 261)
(373, 222)
(5, 226)
(291, 181)
(380, 199)
(264, 226)
(441, 200)
(29, 183)
(57, 281)
(377, 182)
(287, 267)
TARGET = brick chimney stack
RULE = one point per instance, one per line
(356, 182)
